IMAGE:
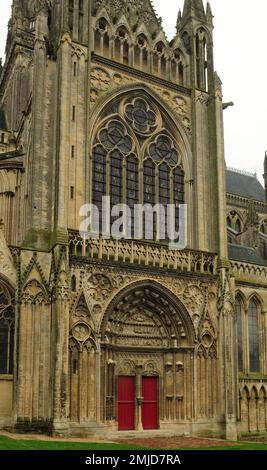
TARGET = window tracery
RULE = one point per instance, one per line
(141, 52)
(142, 118)
(163, 149)
(7, 325)
(115, 136)
(102, 37)
(177, 68)
(201, 45)
(135, 159)
(234, 228)
(254, 340)
(122, 45)
(239, 328)
(160, 60)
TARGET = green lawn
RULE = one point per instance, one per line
(10, 444)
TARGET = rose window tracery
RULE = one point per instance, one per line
(163, 149)
(140, 116)
(115, 136)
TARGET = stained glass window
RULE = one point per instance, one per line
(115, 179)
(162, 149)
(254, 340)
(239, 328)
(132, 188)
(134, 167)
(99, 179)
(114, 136)
(149, 192)
(140, 115)
(7, 320)
(178, 193)
(164, 191)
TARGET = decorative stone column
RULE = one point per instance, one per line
(139, 401)
(60, 313)
(169, 399)
(139, 398)
(227, 353)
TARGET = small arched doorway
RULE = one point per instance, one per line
(147, 340)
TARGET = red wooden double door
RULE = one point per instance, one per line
(127, 403)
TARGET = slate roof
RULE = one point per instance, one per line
(243, 184)
(245, 254)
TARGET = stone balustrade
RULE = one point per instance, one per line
(142, 253)
(249, 272)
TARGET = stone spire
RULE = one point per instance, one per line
(179, 20)
(194, 8)
(209, 14)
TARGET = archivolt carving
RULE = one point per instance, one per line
(101, 286)
(145, 315)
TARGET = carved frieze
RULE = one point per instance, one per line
(101, 285)
(103, 80)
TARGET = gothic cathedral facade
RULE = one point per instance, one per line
(101, 336)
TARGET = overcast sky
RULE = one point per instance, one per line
(240, 42)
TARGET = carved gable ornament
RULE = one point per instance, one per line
(137, 12)
(7, 267)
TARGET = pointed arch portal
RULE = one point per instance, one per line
(147, 338)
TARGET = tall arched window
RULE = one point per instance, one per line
(238, 227)
(201, 60)
(254, 337)
(7, 325)
(99, 179)
(80, 23)
(178, 192)
(132, 190)
(141, 52)
(234, 228)
(135, 160)
(122, 45)
(160, 60)
(177, 68)
(239, 332)
(102, 37)
(71, 14)
(116, 179)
